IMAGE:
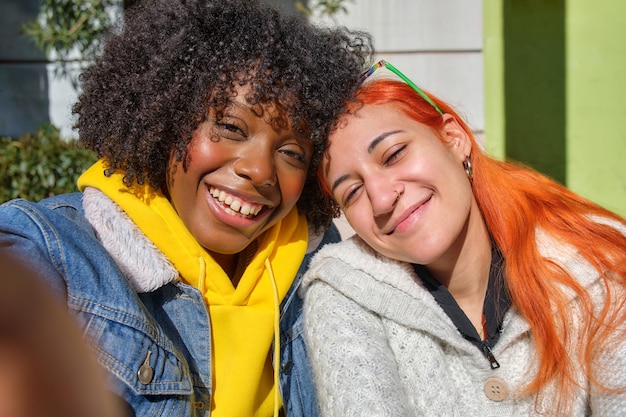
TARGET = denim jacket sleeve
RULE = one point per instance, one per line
(296, 378)
(58, 243)
(25, 232)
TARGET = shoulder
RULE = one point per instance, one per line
(72, 201)
(62, 211)
(349, 254)
(356, 254)
(565, 255)
(351, 265)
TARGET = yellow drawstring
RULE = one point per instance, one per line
(268, 265)
(202, 274)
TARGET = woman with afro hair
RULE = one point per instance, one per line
(181, 256)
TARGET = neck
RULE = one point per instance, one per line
(228, 262)
(235, 264)
(465, 270)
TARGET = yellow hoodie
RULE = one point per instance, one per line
(244, 320)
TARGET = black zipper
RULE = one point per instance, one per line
(489, 355)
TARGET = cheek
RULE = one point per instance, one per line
(462, 187)
(291, 186)
(360, 219)
(202, 157)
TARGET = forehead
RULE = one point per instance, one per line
(367, 121)
(243, 100)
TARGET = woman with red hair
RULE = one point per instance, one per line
(472, 287)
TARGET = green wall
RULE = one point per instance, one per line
(596, 101)
(555, 84)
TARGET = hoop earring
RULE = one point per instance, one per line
(467, 166)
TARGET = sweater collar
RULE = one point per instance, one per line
(141, 262)
(356, 270)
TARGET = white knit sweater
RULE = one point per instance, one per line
(380, 345)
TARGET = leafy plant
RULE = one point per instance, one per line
(71, 30)
(328, 8)
(41, 165)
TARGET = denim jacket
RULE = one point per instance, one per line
(155, 346)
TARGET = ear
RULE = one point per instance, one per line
(456, 137)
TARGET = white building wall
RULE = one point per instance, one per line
(61, 95)
(436, 43)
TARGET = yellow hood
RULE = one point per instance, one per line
(242, 318)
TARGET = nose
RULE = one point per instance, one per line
(383, 197)
(258, 167)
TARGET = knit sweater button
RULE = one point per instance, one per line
(496, 389)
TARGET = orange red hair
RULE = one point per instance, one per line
(516, 201)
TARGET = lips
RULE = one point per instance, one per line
(412, 212)
(235, 206)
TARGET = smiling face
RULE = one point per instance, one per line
(402, 188)
(242, 177)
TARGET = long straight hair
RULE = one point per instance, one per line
(515, 202)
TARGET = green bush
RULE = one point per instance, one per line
(41, 165)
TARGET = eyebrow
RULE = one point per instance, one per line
(337, 182)
(374, 143)
(372, 146)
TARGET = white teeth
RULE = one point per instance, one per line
(234, 206)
